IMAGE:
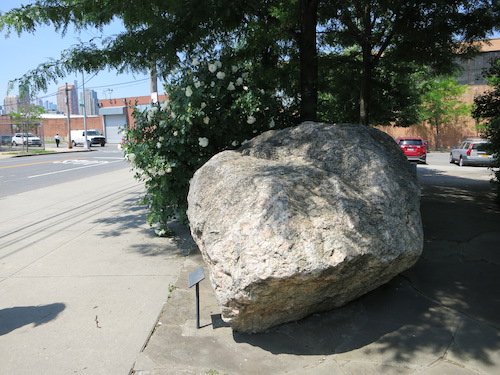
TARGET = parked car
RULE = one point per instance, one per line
(472, 152)
(414, 148)
(5, 140)
(22, 138)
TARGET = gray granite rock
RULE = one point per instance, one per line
(304, 220)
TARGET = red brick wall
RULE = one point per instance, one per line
(53, 126)
(449, 135)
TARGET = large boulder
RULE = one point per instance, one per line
(304, 220)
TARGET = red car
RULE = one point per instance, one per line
(414, 148)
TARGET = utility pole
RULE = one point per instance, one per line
(84, 112)
(69, 117)
(153, 83)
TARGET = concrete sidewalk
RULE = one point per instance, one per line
(440, 317)
(82, 277)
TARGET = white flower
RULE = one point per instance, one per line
(176, 133)
(239, 81)
(172, 115)
(271, 123)
(161, 172)
(221, 75)
(152, 171)
(235, 143)
(245, 75)
(197, 84)
(206, 120)
(231, 87)
(158, 145)
(168, 170)
(218, 64)
(189, 91)
(212, 68)
(131, 158)
(245, 88)
(251, 120)
(212, 84)
(151, 113)
(234, 69)
(195, 62)
(203, 142)
(164, 105)
(161, 138)
(203, 105)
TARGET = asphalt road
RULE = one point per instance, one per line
(22, 174)
(439, 173)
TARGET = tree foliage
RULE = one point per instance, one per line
(27, 117)
(487, 109)
(286, 40)
(441, 104)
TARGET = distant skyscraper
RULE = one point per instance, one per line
(91, 102)
(72, 98)
(13, 102)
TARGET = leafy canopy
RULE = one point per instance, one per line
(286, 40)
(487, 109)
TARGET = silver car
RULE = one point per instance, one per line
(472, 152)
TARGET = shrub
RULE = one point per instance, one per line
(211, 107)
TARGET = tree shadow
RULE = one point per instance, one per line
(129, 215)
(16, 317)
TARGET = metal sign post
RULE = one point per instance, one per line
(194, 278)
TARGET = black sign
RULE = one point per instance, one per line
(195, 277)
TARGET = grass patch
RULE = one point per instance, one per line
(34, 152)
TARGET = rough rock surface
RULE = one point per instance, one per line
(304, 220)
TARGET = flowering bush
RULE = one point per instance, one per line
(211, 107)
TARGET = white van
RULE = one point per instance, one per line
(94, 137)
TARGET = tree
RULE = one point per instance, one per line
(487, 108)
(282, 38)
(29, 117)
(441, 104)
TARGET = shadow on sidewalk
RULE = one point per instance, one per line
(17, 317)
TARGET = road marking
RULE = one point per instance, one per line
(81, 162)
(40, 162)
(70, 169)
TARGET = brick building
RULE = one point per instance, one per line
(472, 76)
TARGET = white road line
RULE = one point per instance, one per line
(69, 170)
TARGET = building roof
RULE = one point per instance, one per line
(491, 45)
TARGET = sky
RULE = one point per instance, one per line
(22, 54)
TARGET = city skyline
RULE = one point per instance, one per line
(21, 54)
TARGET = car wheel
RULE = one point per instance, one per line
(89, 144)
(451, 159)
(102, 144)
(461, 162)
(14, 144)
